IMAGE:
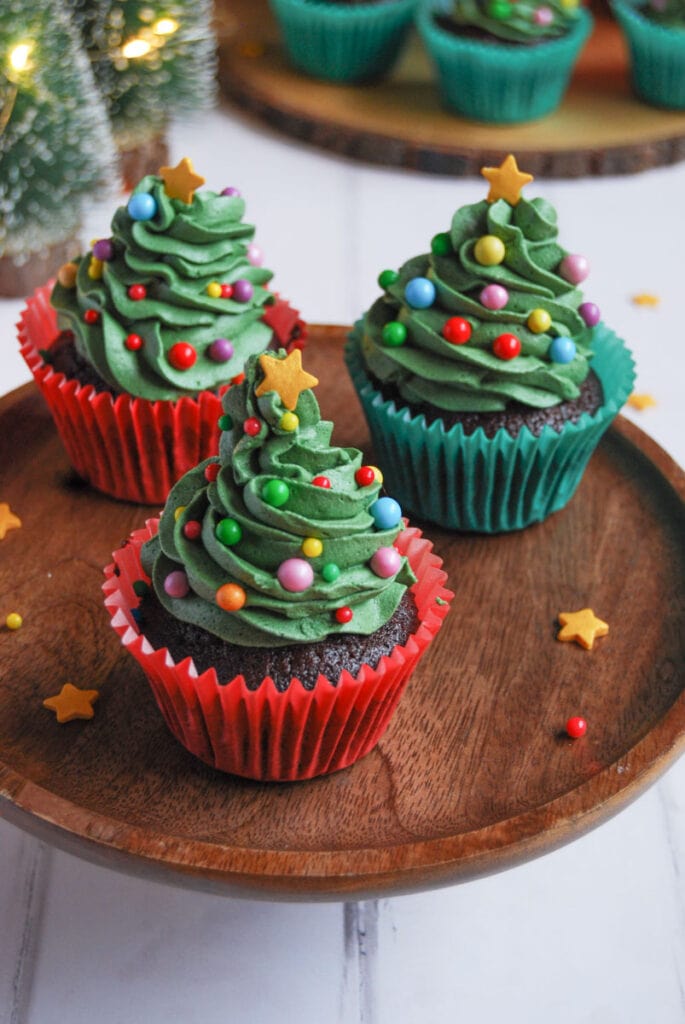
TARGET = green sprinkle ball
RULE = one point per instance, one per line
(228, 531)
(225, 422)
(330, 572)
(394, 334)
(441, 244)
(275, 493)
(387, 277)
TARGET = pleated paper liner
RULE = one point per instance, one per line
(657, 57)
(128, 448)
(265, 734)
(488, 485)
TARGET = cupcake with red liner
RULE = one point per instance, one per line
(136, 341)
(280, 604)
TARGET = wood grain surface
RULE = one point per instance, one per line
(474, 773)
(600, 127)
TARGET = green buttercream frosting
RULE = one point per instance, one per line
(471, 377)
(516, 21)
(338, 516)
(669, 13)
(175, 255)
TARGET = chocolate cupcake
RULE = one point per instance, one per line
(486, 377)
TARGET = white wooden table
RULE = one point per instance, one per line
(591, 934)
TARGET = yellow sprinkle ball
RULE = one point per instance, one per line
(289, 421)
(95, 269)
(214, 290)
(312, 547)
(66, 275)
(379, 475)
(178, 511)
(14, 621)
(539, 321)
(489, 250)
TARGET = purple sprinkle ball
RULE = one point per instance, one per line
(255, 255)
(386, 562)
(221, 350)
(176, 584)
(590, 313)
(242, 290)
(230, 191)
(574, 268)
(103, 250)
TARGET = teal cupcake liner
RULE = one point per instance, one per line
(343, 43)
(501, 82)
(489, 485)
(657, 57)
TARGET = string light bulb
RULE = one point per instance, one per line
(165, 26)
(135, 48)
(19, 56)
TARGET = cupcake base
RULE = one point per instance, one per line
(263, 733)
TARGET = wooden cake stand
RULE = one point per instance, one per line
(600, 128)
(475, 772)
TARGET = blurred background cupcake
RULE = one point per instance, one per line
(486, 377)
(503, 60)
(655, 32)
(344, 40)
(135, 342)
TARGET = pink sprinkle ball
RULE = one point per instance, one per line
(255, 255)
(176, 584)
(295, 575)
(230, 191)
(543, 16)
(574, 268)
(590, 313)
(494, 296)
(386, 562)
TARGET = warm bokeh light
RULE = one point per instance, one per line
(19, 56)
(165, 27)
(135, 48)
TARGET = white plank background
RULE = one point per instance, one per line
(591, 934)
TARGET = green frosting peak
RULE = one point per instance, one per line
(516, 21)
(526, 275)
(175, 255)
(256, 467)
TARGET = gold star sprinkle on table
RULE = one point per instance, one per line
(506, 181)
(582, 626)
(181, 181)
(71, 703)
(646, 299)
(641, 402)
(286, 377)
(8, 520)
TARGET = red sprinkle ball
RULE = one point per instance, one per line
(344, 614)
(506, 346)
(137, 292)
(226, 291)
(456, 330)
(133, 342)
(182, 355)
(365, 475)
(252, 426)
(91, 316)
(212, 471)
(238, 379)
(192, 529)
(576, 727)
(321, 481)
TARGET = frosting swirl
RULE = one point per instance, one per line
(174, 255)
(669, 13)
(471, 377)
(265, 535)
(520, 21)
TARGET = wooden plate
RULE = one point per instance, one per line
(474, 773)
(600, 128)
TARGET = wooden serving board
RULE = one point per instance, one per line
(600, 127)
(474, 773)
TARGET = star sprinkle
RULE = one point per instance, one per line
(71, 703)
(8, 520)
(181, 181)
(641, 402)
(286, 377)
(582, 626)
(506, 181)
(646, 299)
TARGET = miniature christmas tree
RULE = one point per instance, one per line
(55, 145)
(151, 61)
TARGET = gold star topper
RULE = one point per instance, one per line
(506, 181)
(71, 703)
(181, 181)
(8, 520)
(286, 377)
(582, 626)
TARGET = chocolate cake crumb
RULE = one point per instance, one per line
(328, 657)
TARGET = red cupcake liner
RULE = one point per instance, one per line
(128, 448)
(265, 734)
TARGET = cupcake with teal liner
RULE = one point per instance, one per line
(503, 61)
(655, 32)
(344, 41)
(280, 604)
(486, 377)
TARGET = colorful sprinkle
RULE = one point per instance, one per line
(14, 621)
(91, 316)
(386, 278)
(178, 512)
(252, 426)
(137, 292)
(394, 334)
(192, 529)
(576, 727)
(330, 572)
(562, 350)
(312, 547)
(142, 206)
(95, 269)
(321, 481)
(176, 584)
(228, 531)
(506, 346)
(574, 268)
(642, 299)
(456, 330)
(543, 16)
(231, 597)
(225, 422)
(419, 293)
(242, 290)
(494, 296)
(489, 251)
(289, 422)
(365, 476)
(182, 355)
(295, 575)
(539, 321)
(377, 474)
(386, 562)
(441, 244)
(230, 191)
(141, 588)
(226, 291)
(66, 275)
(344, 614)
(212, 471)
(103, 250)
(214, 290)
(590, 313)
(386, 513)
(275, 493)
(255, 254)
(133, 342)
(641, 402)
(221, 350)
